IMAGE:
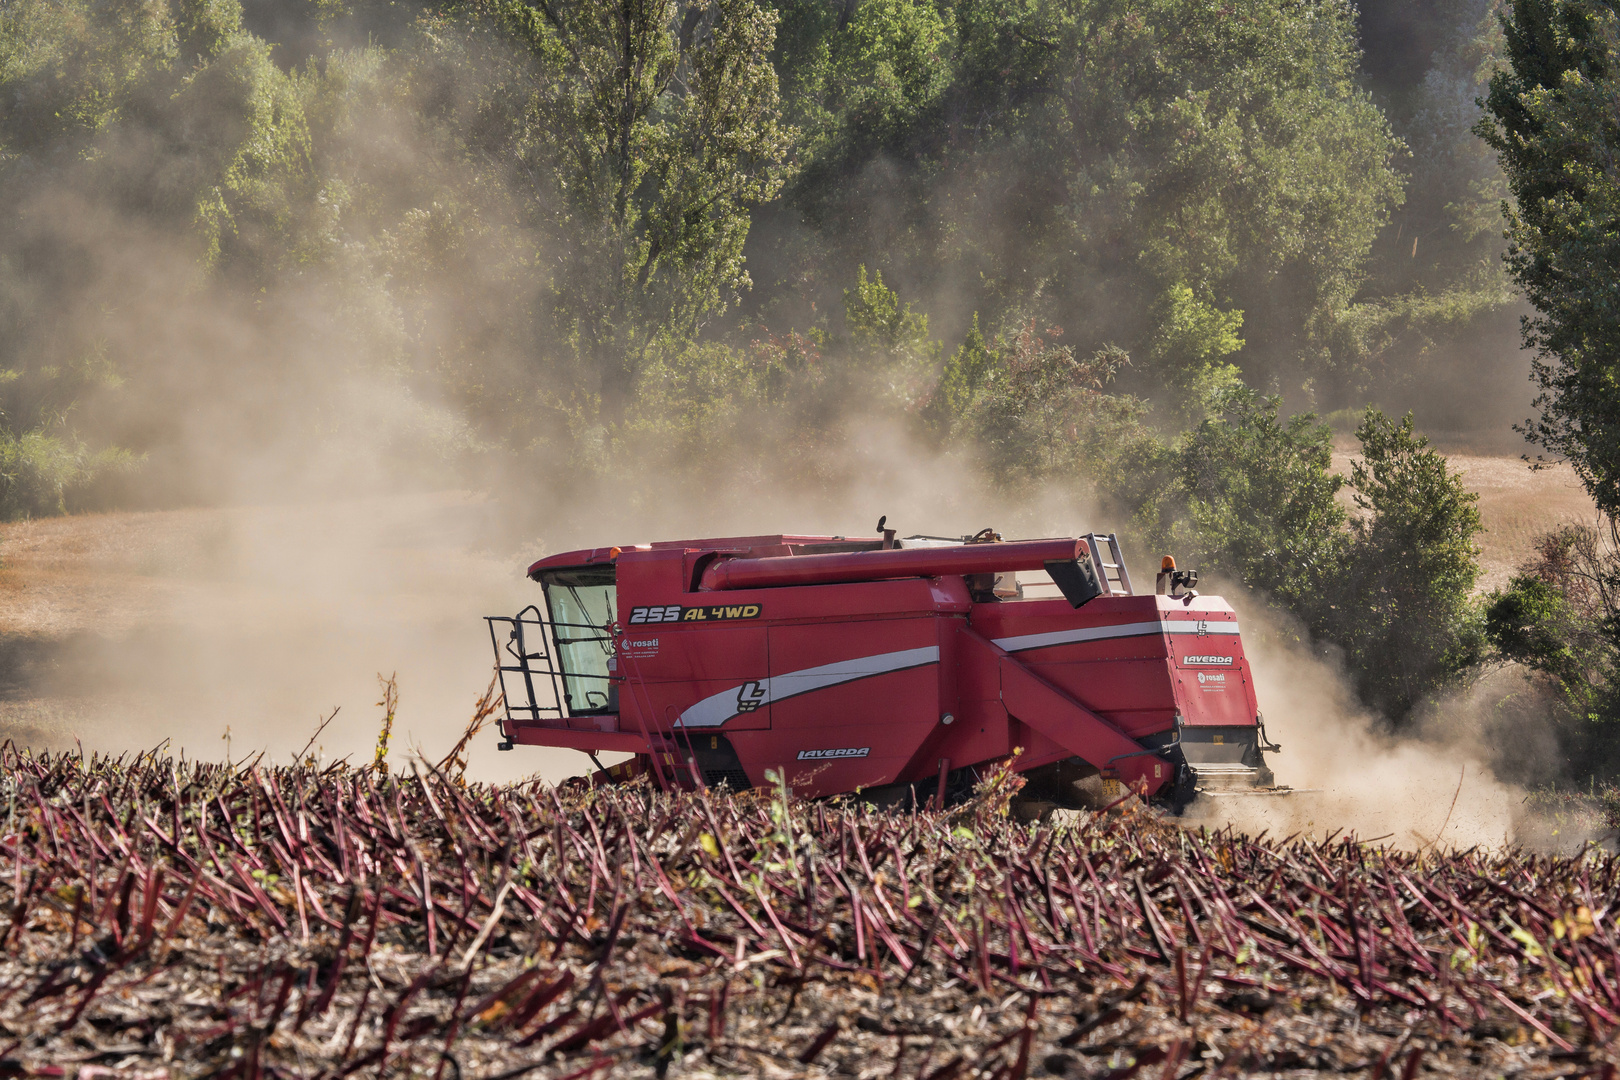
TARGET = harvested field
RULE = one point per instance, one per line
(177, 919)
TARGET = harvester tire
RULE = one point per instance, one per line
(1184, 791)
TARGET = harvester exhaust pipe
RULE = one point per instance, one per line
(888, 534)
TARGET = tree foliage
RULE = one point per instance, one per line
(1262, 501)
(1405, 612)
(1559, 617)
(1390, 586)
(653, 127)
(1554, 124)
(1088, 158)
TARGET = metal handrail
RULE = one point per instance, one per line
(525, 653)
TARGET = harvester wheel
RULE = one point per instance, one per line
(1184, 791)
(1031, 811)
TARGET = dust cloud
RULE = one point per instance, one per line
(319, 535)
(1437, 787)
(323, 522)
(235, 628)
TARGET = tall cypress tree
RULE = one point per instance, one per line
(1554, 121)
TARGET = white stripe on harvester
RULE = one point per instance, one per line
(716, 709)
(1100, 633)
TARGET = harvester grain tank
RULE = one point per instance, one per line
(903, 669)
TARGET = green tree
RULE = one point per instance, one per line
(1190, 348)
(1558, 618)
(1080, 159)
(1405, 612)
(44, 460)
(651, 127)
(1261, 501)
(1032, 409)
(1391, 587)
(879, 322)
(70, 69)
(1435, 284)
(962, 377)
(860, 78)
(72, 74)
(1554, 121)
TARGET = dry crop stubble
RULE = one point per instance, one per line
(184, 919)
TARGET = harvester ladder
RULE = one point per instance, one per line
(525, 645)
(1109, 562)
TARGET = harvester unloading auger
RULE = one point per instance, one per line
(904, 669)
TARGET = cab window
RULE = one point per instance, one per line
(584, 604)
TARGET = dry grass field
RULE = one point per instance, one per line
(126, 629)
(171, 920)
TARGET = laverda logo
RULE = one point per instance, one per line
(669, 613)
(750, 696)
(1207, 661)
(824, 755)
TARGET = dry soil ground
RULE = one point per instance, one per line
(125, 629)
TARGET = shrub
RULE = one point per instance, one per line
(1391, 587)
(1261, 501)
(1405, 613)
(1557, 618)
(38, 472)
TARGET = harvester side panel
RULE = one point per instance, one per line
(673, 654)
(1115, 661)
(1065, 721)
(684, 668)
(869, 690)
(1133, 690)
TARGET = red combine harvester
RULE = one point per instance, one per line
(902, 669)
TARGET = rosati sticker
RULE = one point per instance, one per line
(673, 613)
(1207, 661)
(1209, 680)
(828, 755)
(638, 646)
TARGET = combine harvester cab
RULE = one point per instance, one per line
(901, 669)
